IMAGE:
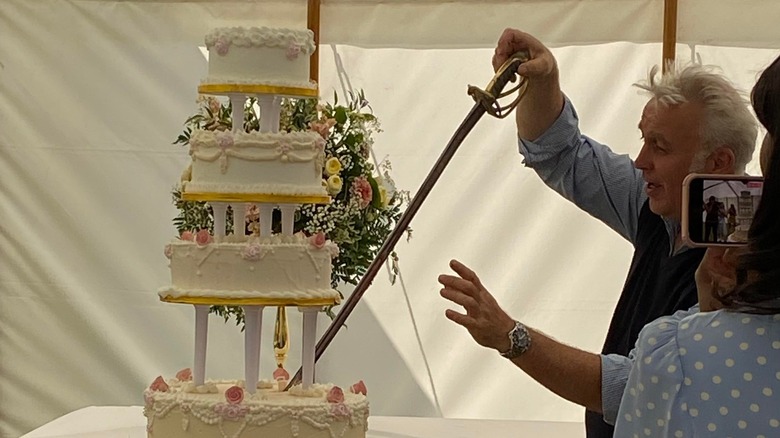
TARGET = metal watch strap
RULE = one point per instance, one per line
(520, 341)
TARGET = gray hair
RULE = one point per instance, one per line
(727, 119)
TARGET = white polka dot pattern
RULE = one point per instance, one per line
(711, 374)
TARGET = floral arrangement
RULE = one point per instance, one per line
(365, 204)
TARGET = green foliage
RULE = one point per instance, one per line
(365, 205)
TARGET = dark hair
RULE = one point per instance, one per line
(760, 293)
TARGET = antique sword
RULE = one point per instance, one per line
(485, 101)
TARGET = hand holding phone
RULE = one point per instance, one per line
(718, 209)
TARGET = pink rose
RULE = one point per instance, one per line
(202, 237)
(168, 251)
(252, 252)
(358, 388)
(281, 374)
(159, 385)
(362, 188)
(340, 410)
(184, 375)
(234, 395)
(318, 240)
(186, 235)
(224, 140)
(222, 45)
(323, 127)
(335, 395)
(214, 106)
(293, 50)
(231, 412)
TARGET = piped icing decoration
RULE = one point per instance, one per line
(234, 395)
(231, 412)
(298, 147)
(159, 385)
(281, 374)
(223, 38)
(318, 240)
(358, 388)
(340, 410)
(168, 251)
(335, 395)
(184, 375)
(187, 235)
(203, 237)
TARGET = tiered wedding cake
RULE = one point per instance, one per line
(273, 170)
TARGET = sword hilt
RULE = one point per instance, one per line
(488, 98)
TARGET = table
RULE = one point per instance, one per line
(129, 422)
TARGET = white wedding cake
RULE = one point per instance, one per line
(266, 170)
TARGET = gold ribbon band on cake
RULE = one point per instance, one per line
(255, 197)
(258, 301)
(257, 89)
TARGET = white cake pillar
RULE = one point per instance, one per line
(237, 102)
(253, 317)
(267, 117)
(288, 218)
(275, 111)
(220, 215)
(266, 219)
(309, 338)
(201, 338)
(247, 209)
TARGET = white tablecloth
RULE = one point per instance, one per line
(129, 422)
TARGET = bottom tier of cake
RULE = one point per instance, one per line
(224, 410)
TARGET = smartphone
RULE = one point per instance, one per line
(718, 209)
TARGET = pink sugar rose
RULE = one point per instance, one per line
(252, 252)
(362, 188)
(318, 240)
(184, 375)
(202, 237)
(340, 410)
(234, 395)
(335, 395)
(281, 374)
(159, 385)
(293, 50)
(231, 412)
(168, 251)
(222, 45)
(224, 140)
(358, 388)
(186, 235)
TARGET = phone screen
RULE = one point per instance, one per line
(721, 209)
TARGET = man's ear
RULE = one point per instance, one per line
(721, 161)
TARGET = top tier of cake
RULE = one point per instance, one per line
(260, 60)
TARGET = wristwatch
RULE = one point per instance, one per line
(520, 341)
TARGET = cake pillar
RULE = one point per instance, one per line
(309, 338)
(220, 215)
(253, 316)
(237, 103)
(266, 219)
(267, 117)
(201, 337)
(275, 111)
(288, 218)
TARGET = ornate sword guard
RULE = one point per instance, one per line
(488, 98)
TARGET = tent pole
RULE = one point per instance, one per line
(313, 23)
(670, 33)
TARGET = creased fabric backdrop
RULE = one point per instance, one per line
(92, 93)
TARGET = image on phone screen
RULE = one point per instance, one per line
(727, 209)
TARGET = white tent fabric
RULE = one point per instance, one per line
(92, 93)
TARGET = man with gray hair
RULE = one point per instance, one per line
(694, 121)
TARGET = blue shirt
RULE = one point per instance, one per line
(606, 185)
(704, 374)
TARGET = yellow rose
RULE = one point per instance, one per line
(332, 166)
(383, 196)
(334, 184)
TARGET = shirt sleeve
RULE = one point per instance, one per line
(588, 173)
(614, 375)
